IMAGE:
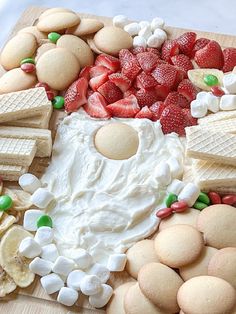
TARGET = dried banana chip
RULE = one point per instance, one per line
(21, 199)
(6, 221)
(7, 284)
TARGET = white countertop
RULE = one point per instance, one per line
(208, 15)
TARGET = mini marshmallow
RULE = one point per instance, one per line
(30, 219)
(63, 266)
(41, 198)
(161, 34)
(29, 248)
(189, 194)
(100, 271)
(176, 168)
(102, 298)
(74, 279)
(157, 22)
(67, 296)
(154, 41)
(116, 262)
(132, 28)
(143, 24)
(120, 21)
(83, 259)
(49, 252)
(163, 174)
(228, 102)
(175, 187)
(202, 95)
(145, 32)
(44, 235)
(139, 41)
(213, 102)
(198, 108)
(229, 82)
(40, 266)
(29, 183)
(90, 285)
(51, 283)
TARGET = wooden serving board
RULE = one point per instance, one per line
(33, 299)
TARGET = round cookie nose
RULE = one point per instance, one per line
(117, 141)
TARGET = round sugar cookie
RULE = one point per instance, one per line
(78, 47)
(57, 21)
(178, 245)
(116, 303)
(54, 10)
(16, 80)
(188, 217)
(140, 254)
(43, 48)
(223, 265)
(160, 284)
(217, 222)
(21, 46)
(206, 295)
(200, 266)
(112, 39)
(135, 302)
(34, 31)
(92, 45)
(58, 68)
(117, 141)
(86, 27)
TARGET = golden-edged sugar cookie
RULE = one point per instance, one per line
(78, 47)
(140, 254)
(116, 303)
(178, 245)
(160, 284)
(92, 45)
(117, 141)
(112, 39)
(57, 21)
(206, 295)
(34, 31)
(188, 217)
(58, 68)
(54, 10)
(86, 27)
(43, 48)
(21, 46)
(217, 222)
(223, 265)
(200, 266)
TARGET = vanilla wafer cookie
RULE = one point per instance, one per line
(18, 152)
(221, 115)
(227, 126)
(12, 172)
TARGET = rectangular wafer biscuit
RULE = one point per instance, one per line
(23, 104)
(42, 137)
(12, 172)
(204, 144)
(221, 115)
(227, 126)
(19, 152)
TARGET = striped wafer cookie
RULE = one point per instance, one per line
(12, 172)
(221, 115)
(227, 126)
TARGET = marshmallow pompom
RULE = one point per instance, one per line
(229, 82)
(132, 28)
(49, 252)
(41, 198)
(51, 283)
(74, 279)
(157, 22)
(198, 108)
(44, 235)
(160, 34)
(154, 41)
(29, 183)
(175, 187)
(30, 219)
(163, 174)
(116, 262)
(67, 296)
(139, 41)
(63, 266)
(120, 21)
(145, 32)
(143, 24)
(29, 248)
(213, 102)
(83, 259)
(90, 285)
(189, 194)
(228, 102)
(176, 169)
(102, 298)
(40, 266)
(100, 271)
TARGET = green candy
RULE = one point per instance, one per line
(199, 205)
(53, 37)
(211, 80)
(43, 221)
(5, 202)
(27, 60)
(203, 198)
(171, 198)
(58, 102)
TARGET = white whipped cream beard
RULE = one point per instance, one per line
(104, 205)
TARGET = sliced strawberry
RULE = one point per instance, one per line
(137, 50)
(130, 91)
(120, 81)
(97, 81)
(75, 95)
(96, 106)
(169, 49)
(146, 81)
(144, 113)
(165, 74)
(186, 43)
(146, 97)
(187, 89)
(183, 62)
(162, 92)
(210, 56)
(147, 61)
(108, 61)
(89, 92)
(157, 109)
(199, 44)
(125, 108)
(229, 59)
(85, 72)
(110, 92)
(154, 50)
(172, 120)
(188, 119)
(99, 70)
(174, 98)
(129, 64)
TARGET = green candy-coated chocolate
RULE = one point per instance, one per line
(53, 37)
(58, 102)
(5, 202)
(199, 205)
(203, 198)
(171, 198)
(27, 60)
(43, 221)
(211, 80)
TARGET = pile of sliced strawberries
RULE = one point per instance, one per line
(148, 83)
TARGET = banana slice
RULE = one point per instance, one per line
(21, 199)
(5, 222)
(12, 262)
(196, 76)
(7, 284)
(1, 186)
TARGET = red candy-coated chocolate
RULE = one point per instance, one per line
(28, 67)
(217, 91)
(214, 198)
(179, 206)
(164, 212)
(229, 199)
(50, 95)
(45, 85)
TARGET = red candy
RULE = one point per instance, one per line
(45, 85)
(214, 198)
(217, 91)
(163, 213)
(50, 95)
(28, 67)
(229, 199)
(179, 207)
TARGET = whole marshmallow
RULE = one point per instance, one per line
(63, 266)
(198, 108)
(228, 102)
(157, 22)
(143, 24)
(175, 187)
(30, 219)
(49, 252)
(116, 262)
(120, 21)
(67, 296)
(145, 32)
(139, 41)
(202, 95)
(44, 235)
(229, 82)
(213, 102)
(132, 28)
(154, 41)
(83, 259)
(100, 271)
(74, 279)
(102, 298)
(189, 194)
(40, 266)
(90, 285)
(51, 283)
(29, 248)
(29, 183)
(41, 198)
(176, 168)
(161, 34)
(163, 174)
